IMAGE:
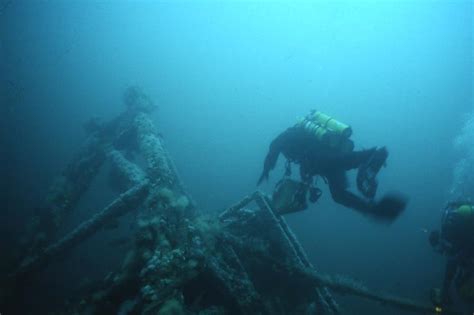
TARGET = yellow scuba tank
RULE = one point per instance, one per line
(328, 130)
(463, 216)
(331, 124)
(465, 210)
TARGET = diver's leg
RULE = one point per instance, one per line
(355, 159)
(385, 210)
(338, 186)
(373, 158)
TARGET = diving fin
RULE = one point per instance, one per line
(389, 208)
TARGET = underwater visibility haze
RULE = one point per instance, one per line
(158, 115)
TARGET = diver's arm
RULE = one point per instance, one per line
(276, 147)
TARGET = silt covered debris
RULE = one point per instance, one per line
(247, 260)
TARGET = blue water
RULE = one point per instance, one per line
(227, 78)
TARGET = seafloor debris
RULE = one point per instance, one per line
(246, 261)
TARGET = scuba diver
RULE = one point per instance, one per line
(321, 145)
(456, 242)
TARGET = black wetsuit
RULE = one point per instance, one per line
(457, 243)
(316, 158)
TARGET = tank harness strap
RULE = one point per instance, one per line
(327, 122)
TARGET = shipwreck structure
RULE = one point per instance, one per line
(182, 261)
